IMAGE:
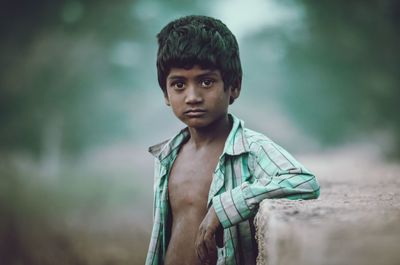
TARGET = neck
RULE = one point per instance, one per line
(217, 131)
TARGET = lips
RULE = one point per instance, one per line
(195, 112)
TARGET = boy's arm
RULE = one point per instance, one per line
(276, 174)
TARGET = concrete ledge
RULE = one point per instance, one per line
(355, 221)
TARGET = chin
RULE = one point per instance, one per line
(197, 123)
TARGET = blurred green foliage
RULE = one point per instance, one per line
(344, 70)
(69, 68)
(57, 76)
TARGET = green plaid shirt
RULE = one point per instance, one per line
(251, 168)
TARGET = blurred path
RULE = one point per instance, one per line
(355, 220)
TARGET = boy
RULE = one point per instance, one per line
(211, 177)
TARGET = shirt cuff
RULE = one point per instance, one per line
(231, 207)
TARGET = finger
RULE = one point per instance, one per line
(201, 248)
(210, 245)
(202, 253)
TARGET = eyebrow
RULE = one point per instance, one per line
(205, 74)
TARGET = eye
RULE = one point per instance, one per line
(207, 82)
(178, 85)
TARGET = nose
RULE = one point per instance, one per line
(193, 95)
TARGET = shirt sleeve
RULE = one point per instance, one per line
(275, 174)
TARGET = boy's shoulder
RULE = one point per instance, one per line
(157, 148)
(255, 139)
(244, 140)
(167, 147)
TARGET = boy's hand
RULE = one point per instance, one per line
(205, 239)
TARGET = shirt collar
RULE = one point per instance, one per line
(164, 150)
(235, 143)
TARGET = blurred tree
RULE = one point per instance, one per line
(60, 69)
(343, 77)
(68, 69)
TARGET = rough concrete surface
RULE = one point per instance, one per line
(356, 220)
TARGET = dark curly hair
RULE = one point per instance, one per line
(198, 40)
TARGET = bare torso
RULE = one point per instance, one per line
(189, 184)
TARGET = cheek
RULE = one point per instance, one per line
(223, 99)
(175, 104)
(175, 99)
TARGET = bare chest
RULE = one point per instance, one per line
(190, 179)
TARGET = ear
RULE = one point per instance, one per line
(166, 99)
(235, 92)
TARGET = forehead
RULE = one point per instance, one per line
(195, 71)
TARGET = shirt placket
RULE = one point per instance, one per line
(217, 182)
(164, 207)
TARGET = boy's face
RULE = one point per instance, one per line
(197, 95)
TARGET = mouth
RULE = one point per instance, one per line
(194, 112)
